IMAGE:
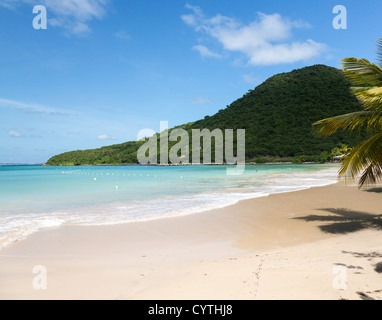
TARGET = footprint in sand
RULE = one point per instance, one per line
(253, 282)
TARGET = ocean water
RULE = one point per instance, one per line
(36, 197)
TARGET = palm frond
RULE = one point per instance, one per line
(371, 175)
(362, 72)
(371, 98)
(372, 92)
(350, 122)
(379, 51)
(357, 90)
(365, 158)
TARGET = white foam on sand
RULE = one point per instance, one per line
(15, 227)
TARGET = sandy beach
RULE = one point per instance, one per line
(320, 243)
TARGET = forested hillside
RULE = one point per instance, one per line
(277, 115)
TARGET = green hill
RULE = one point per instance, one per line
(277, 115)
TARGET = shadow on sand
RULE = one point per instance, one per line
(376, 190)
(344, 221)
(369, 255)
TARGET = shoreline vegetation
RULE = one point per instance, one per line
(263, 161)
(287, 162)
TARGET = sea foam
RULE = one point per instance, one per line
(146, 194)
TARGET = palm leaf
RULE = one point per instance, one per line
(371, 175)
(371, 98)
(365, 158)
(350, 122)
(362, 72)
(379, 51)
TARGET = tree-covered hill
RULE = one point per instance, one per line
(277, 115)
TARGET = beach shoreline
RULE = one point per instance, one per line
(284, 246)
(92, 197)
(179, 165)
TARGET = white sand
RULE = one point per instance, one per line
(256, 249)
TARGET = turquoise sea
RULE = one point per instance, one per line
(37, 197)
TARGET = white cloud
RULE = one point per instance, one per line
(250, 78)
(265, 41)
(106, 137)
(286, 53)
(15, 134)
(72, 15)
(22, 132)
(9, 4)
(200, 100)
(205, 52)
(78, 28)
(122, 35)
(81, 10)
(33, 108)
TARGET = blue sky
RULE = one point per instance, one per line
(105, 69)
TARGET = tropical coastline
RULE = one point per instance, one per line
(227, 150)
(293, 245)
(92, 195)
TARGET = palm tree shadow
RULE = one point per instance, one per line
(364, 296)
(345, 221)
(376, 190)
